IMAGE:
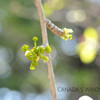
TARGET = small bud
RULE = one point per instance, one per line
(41, 56)
(66, 34)
(32, 67)
(65, 37)
(70, 37)
(28, 54)
(34, 57)
(33, 49)
(24, 48)
(34, 38)
(45, 59)
(34, 63)
(41, 49)
(68, 30)
(48, 49)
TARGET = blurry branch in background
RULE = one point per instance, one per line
(45, 41)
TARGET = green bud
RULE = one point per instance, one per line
(65, 37)
(48, 49)
(36, 50)
(41, 56)
(45, 59)
(41, 49)
(34, 57)
(28, 54)
(34, 63)
(32, 67)
(34, 38)
(24, 48)
(66, 34)
(33, 49)
(70, 37)
(66, 31)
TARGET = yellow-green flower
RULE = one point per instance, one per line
(67, 34)
(68, 30)
(48, 49)
(32, 67)
(34, 38)
(41, 49)
(45, 59)
(24, 48)
(34, 63)
(34, 54)
(28, 54)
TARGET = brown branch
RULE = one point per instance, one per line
(55, 29)
(45, 41)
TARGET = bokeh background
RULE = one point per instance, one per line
(76, 62)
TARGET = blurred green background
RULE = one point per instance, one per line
(76, 62)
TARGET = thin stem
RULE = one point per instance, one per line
(35, 44)
(45, 41)
(42, 20)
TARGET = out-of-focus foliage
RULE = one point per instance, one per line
(51, 5)
(76, 62)
(87, 49)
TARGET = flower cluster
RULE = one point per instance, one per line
(36, 53)
(67, 34)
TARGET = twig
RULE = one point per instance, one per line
(55, 29)
(45, 41)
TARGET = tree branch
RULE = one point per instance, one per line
(55, 29)
(45, 41)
